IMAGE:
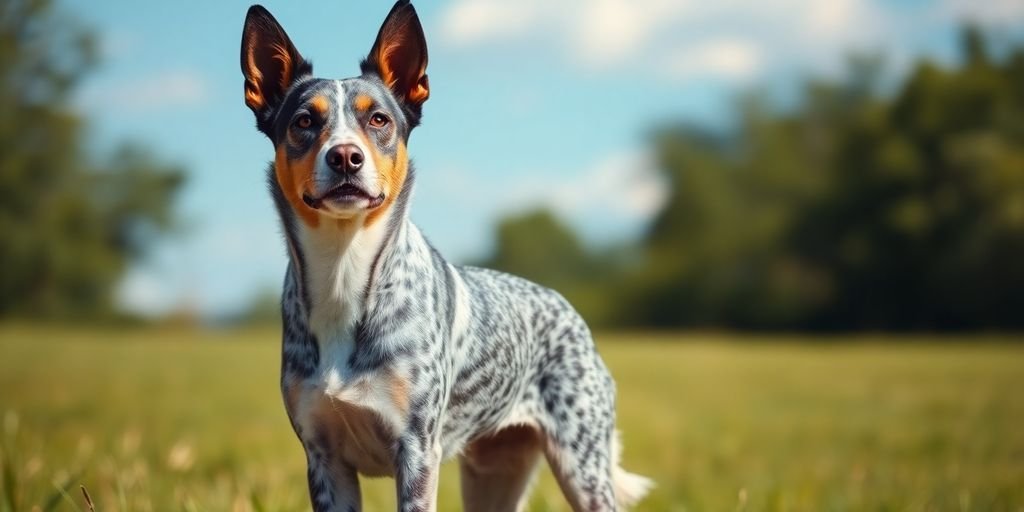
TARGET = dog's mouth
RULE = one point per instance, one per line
(346, 193)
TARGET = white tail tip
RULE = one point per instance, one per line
(629, 488)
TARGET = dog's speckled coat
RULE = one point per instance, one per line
(393, 359)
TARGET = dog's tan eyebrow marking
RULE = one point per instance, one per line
(363, 102)
(320, 104)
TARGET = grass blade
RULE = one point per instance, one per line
(10, 502)
(62, 492)
(257, 505)
(88, 499)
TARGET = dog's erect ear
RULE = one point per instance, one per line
(270, 64)
(399, 58)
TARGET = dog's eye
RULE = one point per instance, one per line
(378, 120)
(304, 121)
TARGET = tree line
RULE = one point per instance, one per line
(862, 207)
(71, 220)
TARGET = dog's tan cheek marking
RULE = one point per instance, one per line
(392, 173)
(292, 177)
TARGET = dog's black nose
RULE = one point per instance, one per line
(345, 158)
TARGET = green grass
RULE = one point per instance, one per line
(192, 420)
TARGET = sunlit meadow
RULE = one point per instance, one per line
(179, 419)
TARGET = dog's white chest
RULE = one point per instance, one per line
(354, 417)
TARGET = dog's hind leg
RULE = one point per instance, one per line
(497, 470)
(596, 484)
(578, 400)
(579, 426)
(582, 466)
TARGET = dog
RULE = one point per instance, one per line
(394, 360)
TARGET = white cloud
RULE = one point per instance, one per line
(469, 22)
(833, 16)
(694, 38)
(608, 32)
(734, 59)
(599, 32)
(612, 197)
(609, 200)
(161, 91)
(998, 12)
(145, 291)
(624, 184)
(119, 44)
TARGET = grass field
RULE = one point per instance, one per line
(192, 420)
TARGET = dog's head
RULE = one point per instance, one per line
(340, 145)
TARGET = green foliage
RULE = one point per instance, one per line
(852, 210)
(922, 225)
(538, 245)
(69, 224)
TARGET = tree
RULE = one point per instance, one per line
(855, 210)
(538, 246)
(69, 224)
(923, 226)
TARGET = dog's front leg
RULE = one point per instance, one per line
(417, 464)
(332, 488)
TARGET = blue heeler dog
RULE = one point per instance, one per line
(393, 359)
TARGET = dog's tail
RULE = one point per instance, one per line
(629, 488)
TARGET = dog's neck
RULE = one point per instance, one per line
(338, 259)
(333, 263)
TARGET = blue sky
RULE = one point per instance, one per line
(533, 103)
